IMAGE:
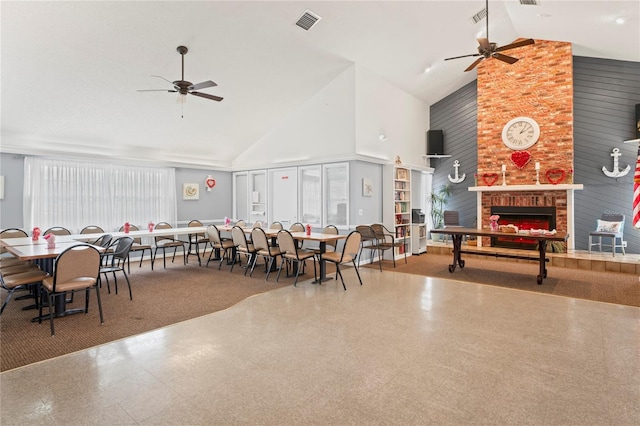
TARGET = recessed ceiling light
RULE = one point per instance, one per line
(620, 21)
(427, 69)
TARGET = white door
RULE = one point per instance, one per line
(283, 196)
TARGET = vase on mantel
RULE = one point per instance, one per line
(493, 225)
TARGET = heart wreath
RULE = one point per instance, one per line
(489, 178)
(520, 158)
(555, 176)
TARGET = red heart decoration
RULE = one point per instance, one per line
(555, 176)
(210, 183)
(490, 178)
(520, 158)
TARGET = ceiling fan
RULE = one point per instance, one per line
(488, 50)
(184, 87)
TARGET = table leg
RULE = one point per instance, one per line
(542, 249)
(323, 265)
(457, 247)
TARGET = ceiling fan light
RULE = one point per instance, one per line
(181, 99)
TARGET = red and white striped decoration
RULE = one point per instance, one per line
(636, 193)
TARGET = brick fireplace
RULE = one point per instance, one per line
(540, 87)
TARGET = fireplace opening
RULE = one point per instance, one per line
(524, 218)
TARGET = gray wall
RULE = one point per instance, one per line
(212, 205)
(605, 95)
(370, 207)
(457, 115)
(12, 168)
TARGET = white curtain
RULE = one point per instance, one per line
(75, 194)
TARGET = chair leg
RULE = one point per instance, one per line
(99, 305)
(128, 284)
(341, 278)
(6, 300)
(357, 271)
(280, 268)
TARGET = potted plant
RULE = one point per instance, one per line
(438, 201)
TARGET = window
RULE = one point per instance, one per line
(311, 195)
(75, 194)
(336, 194)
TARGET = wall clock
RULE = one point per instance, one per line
(520, 133)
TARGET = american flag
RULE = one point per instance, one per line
(636, 193)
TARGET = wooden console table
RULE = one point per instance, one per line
(458, 233)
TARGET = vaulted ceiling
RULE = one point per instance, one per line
(71, 70)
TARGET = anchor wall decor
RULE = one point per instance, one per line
(457, 179)
(616, 173)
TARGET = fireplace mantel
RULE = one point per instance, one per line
(510, 190)
(541, 187)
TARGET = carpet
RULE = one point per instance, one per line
(160, 298)
(610, 287)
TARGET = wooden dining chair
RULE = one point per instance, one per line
(243, 247)
(262, 247)
(75, 269)
(292, 253)
(195, 240)
(349, 254)
(219, 244)
(137, 246)
(165, 242)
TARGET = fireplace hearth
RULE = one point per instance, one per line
(525, 218)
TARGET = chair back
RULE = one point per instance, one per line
(77, 262)
(214, 235)
(612, 217)
(380, 231)
(332, 230)
(103, 241)
(163, 225)
(259, 238)
(192, 224)
(57, 230)
(239, 237)
(286, 243)
(276, 225)
(351, 246)
(366, 232)
(134, 228)
(121, 248)
(241, 223)
(296, 227)
(257, 224)
(92, 229)
(451, 218)
(12, 233)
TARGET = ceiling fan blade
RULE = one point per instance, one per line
(484, 43)
(204, 95)
(157, 76)
(202, 85)
(474, 64)
(463, 56)
(516, 44)
(505, 58)
(156, 90)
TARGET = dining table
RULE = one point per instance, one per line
(39, 251)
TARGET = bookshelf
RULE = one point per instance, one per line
(397, 207)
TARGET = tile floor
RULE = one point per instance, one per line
(402, 349)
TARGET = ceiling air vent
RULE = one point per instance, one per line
(479, 16)
(530, 2)
(307, 20)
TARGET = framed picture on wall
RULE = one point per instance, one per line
(367, 188)
(190, 191)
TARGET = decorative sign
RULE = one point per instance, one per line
(520, 158)
(617, 172)
(190, 191)
(489, 178)
(457, 179)
(555, 176)
(210, 182)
